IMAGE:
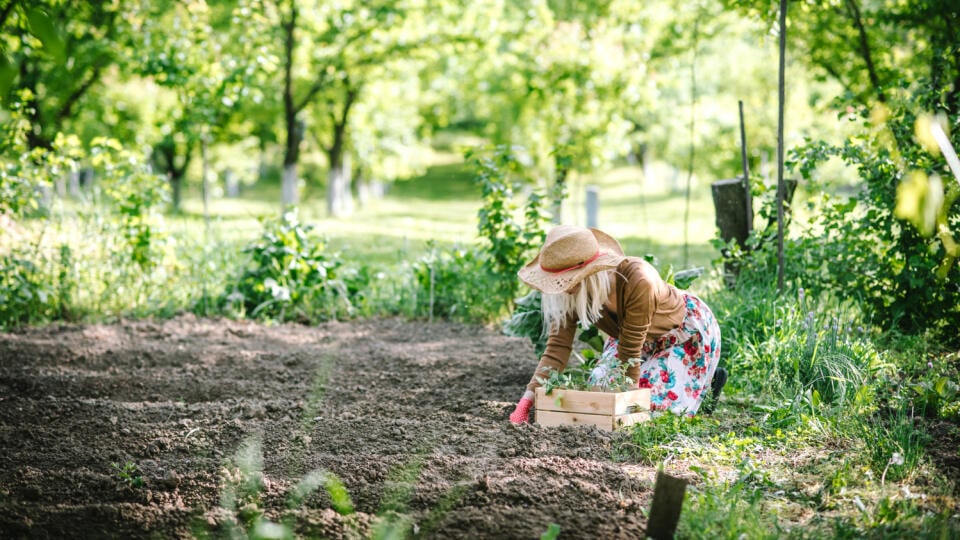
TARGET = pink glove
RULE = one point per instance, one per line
(522, 412)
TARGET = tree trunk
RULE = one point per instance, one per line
(204, 180)
(294, 126)
(165, 157)
(339, 194)
(289, 195)
(176, 190)
(290, 182)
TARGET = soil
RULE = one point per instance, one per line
(411, 417)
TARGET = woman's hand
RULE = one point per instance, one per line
(522, 412)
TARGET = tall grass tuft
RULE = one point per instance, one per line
(791, 347)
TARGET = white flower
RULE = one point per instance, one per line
(279, 292)
(896, 459)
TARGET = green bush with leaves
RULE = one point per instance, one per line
(859, 248)
(26, 292)
(290, 276)
(508, 243)
(454, 284)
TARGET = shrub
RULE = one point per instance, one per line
(857, 247)
(289, 276)
(456, 284)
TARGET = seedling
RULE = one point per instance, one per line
(129, 474)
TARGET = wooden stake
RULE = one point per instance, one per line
(746, 170)
(781, 188)
(665, 509)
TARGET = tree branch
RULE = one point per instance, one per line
(72, 99)
(854, 11)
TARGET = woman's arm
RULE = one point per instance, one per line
(557, 354)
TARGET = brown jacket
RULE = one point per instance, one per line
(650, 306)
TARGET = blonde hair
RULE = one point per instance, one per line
(586, 304)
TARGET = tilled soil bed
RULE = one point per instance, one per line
(410, 417)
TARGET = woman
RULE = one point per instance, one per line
(585, 278)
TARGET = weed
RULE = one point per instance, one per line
(290, 276)
(241, 513)
(129, 474)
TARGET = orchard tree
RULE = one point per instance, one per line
(209, 60)
(332, 52)
(563, 84)
(52, 54)
(872, 46)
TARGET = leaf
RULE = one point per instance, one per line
(919, 199)
(552, 532)
(42, 27)
(8, 72)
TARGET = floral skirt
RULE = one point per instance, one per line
(678, 366)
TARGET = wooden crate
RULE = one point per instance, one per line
(606, 410)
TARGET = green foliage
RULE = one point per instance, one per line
(860, 250)
(552, 532)
(592, 372)
(26, 294)
(727, 509)
(129, 474)
(289, 276)
(241, 513)
(798, 345)
(526, 321)
(652, 442)
(894, 444)
(448, 284)
(51, 66)
(508, 242)
(448, 281)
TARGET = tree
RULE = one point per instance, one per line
(562, 86)
(52, 53)
(870, 46)
(331, 52)
(209, 60)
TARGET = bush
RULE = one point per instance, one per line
(456, 284)
(290, 276)
(859, 249)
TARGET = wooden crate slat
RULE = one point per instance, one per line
(557, 418)
(592, 402)
(630, 419)
(606, 410)
(602, 421)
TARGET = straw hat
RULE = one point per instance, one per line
(570, 254)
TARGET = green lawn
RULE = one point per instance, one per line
(442, 205)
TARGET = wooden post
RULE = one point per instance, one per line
(730, 204)
(746, 170)
(665, 509)
(781, 187)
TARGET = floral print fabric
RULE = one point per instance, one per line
(678, 366)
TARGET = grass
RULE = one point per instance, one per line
(442, 204)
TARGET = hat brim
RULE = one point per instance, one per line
(611, 255)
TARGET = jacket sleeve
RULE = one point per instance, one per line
(639, 306)
(557, 354)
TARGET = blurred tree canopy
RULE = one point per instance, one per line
(357, 90)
